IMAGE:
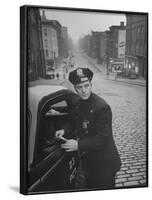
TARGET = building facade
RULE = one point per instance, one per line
(95, 44)
(65, 41)
(98, 45)
(115, 52)
(36, 62)
(136, 44)
(103, 46)
(52, 43)
(55, 42)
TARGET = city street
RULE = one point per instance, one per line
(128, 103)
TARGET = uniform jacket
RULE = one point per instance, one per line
(95, 140)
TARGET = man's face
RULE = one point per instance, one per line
(84, 89)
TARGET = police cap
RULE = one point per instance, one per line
(80, 75)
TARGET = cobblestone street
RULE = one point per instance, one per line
(128, 103)
(129, 129)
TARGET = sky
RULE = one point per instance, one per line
(81, 23)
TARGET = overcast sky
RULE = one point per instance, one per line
(81, 23)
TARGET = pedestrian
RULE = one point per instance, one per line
(72, 61)
(64, 75)
(107, 74)
(93, 118)
(57, 76)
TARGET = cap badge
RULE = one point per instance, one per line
(79, 72)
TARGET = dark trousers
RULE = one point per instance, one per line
(104, 181)
(100, 180)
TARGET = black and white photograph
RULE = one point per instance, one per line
(84, 85)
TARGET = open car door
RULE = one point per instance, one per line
(53, 169)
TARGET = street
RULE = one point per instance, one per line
(128, 103)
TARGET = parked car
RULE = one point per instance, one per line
(132, 74)
(50, 168)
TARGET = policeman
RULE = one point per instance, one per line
(93, 117)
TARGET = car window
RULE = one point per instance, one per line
(58, 108)
(60, 104)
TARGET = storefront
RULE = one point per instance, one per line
(131, 67)
(116, 65)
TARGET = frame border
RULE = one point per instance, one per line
(24, 93)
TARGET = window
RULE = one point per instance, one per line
(46, 43)
(58, 108)
(60, 104)
(46, 53)
(45, 31)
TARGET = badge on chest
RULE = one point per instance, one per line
(85, 124)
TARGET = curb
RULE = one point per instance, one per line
(131, 83)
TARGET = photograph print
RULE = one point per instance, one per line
(83, 76)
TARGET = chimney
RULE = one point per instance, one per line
(43, 15)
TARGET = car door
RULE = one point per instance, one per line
(53, 169)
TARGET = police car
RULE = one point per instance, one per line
(50, 168)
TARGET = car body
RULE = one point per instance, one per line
(50, 168)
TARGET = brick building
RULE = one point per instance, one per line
(36, 64)
(136, 44)
(95, 46)
(103, 47)
(113, 39)
(65, 41)
(51, 34)
(115, 52)
(88, 44)
(98, 45)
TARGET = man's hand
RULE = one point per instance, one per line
(59, 133)
(70, 145)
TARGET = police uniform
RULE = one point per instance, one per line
(98, 152)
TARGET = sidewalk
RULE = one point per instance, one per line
(140, 82)
(112, 76)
